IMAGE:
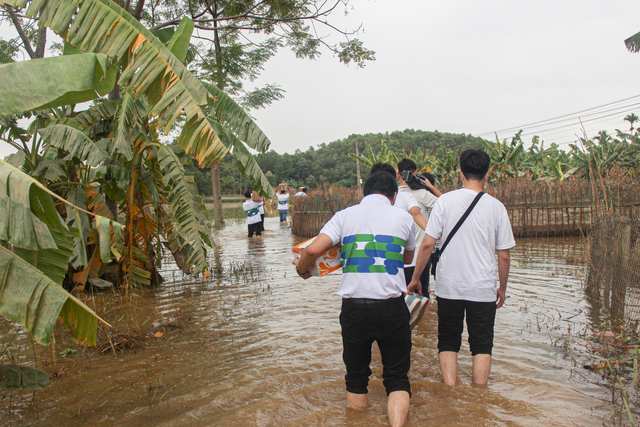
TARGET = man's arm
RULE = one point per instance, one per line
(428, 183)
(504, 261)
(418, 218)
(311, 253)
(424, 254)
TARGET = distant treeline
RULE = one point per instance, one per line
(330, 163)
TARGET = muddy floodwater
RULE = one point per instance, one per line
(258, 346)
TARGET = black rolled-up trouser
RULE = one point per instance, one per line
(364, 321)
(481, 318)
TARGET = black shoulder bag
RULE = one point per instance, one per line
(435, 255)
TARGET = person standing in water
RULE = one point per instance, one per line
(282, 193)
(372, 289)
(466, 270)
(252, 209)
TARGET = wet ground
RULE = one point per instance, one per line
(258, 346)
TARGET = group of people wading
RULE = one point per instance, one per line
(253, 207)
(387, 243)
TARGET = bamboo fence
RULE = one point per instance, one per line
(535, 208)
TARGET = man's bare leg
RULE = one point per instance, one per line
(357, 401)
(398, 408)
(481, 368)
(449, 366)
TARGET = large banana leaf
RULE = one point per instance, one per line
(76, 142)
(30, 298)
(31, 223)
(101, 26)
(19, 377)
(186, 212)
(228, 113)
(51, 82)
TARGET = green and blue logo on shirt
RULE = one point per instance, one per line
(360, 252)
(282, 202)
(252, 212)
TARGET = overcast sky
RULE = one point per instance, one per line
(462, 66)
(465, 66)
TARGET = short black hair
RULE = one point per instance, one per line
(383, 167)
(381, 183)
(428, 176)
(247, 194)
(283, 191)
(304, 189)
(474, 164)
(407, 165)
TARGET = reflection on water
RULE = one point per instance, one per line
(259, 346)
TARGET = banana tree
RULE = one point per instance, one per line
(154, 73)
(34, 258)
(507, 159)
(159, 91)
(448, 167)
(369, 158)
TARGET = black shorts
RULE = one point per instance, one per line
(481, 317)
(387, 323)
(255, 228)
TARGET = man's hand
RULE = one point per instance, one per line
(305, 275)
(502, 296)
(415, 285)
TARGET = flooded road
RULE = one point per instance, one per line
(258, 346)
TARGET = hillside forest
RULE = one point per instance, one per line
(437, 152)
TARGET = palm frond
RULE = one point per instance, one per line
(102, 26)
(233, 117)
(33, 300)
(186, 212)
(76, 143)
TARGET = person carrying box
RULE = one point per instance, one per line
(372, 289)
(252, 209)
(282, 193)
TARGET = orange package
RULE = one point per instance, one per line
(328, 261)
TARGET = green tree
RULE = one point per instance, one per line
(156, 89)
(631, 118)
(241, 36)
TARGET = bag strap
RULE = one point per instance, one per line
(461, 220)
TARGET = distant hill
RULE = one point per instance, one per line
(329, 162)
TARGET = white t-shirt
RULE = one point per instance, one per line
(425, 200)
(252, 209)
(406, 201)
(374, 236)
(282, 201)
(467, 268)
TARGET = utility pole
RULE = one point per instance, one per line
(359, 184)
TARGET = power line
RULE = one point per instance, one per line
(559, 117)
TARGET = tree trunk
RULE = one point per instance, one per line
(217, 196)
(114, 95)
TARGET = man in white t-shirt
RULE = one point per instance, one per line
(408, 203)
(282, 193)
(410, 183)
(377, 239)
(466, 272)
(404, 201)
(252, 209)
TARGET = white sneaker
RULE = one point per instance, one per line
(417, 306)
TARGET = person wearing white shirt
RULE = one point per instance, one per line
(426, 195)
(466, 272)
(252, 210)
(282, 193)
(377, 239)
